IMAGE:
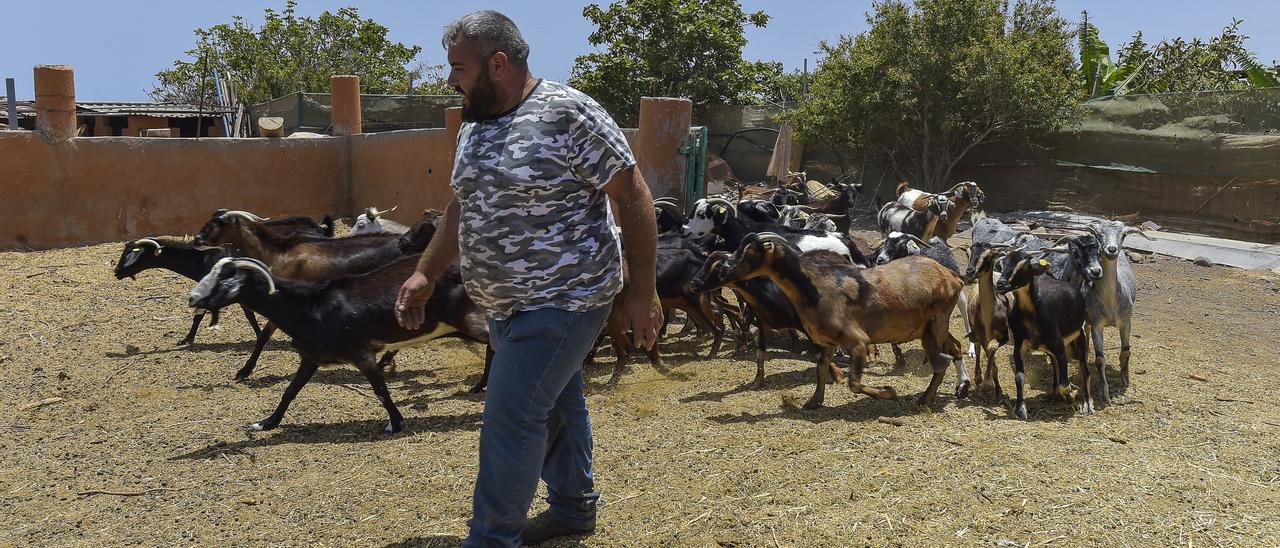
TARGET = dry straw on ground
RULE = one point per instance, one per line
(116, 436)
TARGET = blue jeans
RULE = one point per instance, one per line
(535, 424)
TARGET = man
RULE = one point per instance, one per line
(530, 221)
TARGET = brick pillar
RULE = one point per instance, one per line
(55, 102)
(664, 128)
(344, 102)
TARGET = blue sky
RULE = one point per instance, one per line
(117, 47)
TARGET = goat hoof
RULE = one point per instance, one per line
(758, 383)
(392, 428)
(263, 425)
(811, 405)
(186, 341)
(962, 390)
(477, 389)
(1020, 411)
(1086, 408)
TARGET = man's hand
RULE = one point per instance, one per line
(642, 316)
(412, 301)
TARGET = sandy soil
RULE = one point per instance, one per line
(692, 457)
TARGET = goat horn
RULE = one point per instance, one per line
(1133, 229)
(879, 243)
(254, 264)
(671, 206)
(771, 236)
(1055, 249)
(917, 239)
(373, 212)
(665, 199)
(151, 242)
(733, 210)
(957, 186)
(244, 215)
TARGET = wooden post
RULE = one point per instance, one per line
(664, 128)
(344, 102)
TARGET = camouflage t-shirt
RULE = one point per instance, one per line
(536, 230)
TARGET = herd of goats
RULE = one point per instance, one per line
(785, 253)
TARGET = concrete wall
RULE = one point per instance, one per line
(100, 189)
(409, 169)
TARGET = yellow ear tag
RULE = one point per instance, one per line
(135, 250)
(1044, 262)
(720, 209)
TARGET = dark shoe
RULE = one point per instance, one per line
(545, 526)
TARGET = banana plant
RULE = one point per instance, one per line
(1102, 76)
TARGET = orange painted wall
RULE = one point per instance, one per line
(101, 189)
(409, 169)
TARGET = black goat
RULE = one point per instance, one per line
(1047, 315)
(183, 258)
(345, 320)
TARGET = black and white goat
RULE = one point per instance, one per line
(346, 320)
(895, 217)
(373, 221)
(712, 216)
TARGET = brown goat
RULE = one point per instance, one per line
(844, 306)
(988, 314)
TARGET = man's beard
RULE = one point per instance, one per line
(481, 103)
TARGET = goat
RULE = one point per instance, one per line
(841, 305)
(898, 245)
(718, 216)
(991, 231)
(295, 226)
(823, 222)
(1047, 315)
(772, 310)
(668, 215)
(188, 260)
(347, 319)
(895, 217)
(1110, 299)
(373, 222)
(313, 259)
(962, 196)
(988, 314)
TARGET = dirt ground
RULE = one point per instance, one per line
(691, 457)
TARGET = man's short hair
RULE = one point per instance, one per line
(493, 32)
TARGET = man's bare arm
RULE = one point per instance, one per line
(440, 253)
(640, 233)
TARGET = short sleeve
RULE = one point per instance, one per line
(598, 149)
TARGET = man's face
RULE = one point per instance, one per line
(469, 74)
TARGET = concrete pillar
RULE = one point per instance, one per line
(452, 125)
(344, 101)
(664, 128)
(55, 102)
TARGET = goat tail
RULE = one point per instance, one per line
(327, 223)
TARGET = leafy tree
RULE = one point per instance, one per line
(928, 83)
(670, 48)
(286, 54)
(1222, 63)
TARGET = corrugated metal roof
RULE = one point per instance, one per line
(26, 109)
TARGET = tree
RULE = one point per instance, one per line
(670, 48)
(288, 54)
(926, 84)
(1220, 64)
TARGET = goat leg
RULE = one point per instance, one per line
(388, 362)
(373, 374)
(195, 325)
(258, 345)
(939, 363)
(484, 377)
(1019, 376)
(761, 348)
(253, 320)
(1080, 348)
(820, 393)
(859, 355)
(1104, 393)
(306, 368)
(1126, 329)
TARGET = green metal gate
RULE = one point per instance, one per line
(695, 171)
